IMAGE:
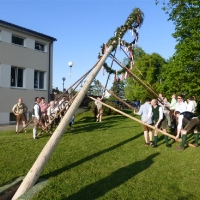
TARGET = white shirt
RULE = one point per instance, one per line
(180, 122)
(181, 107)
(173, 104)
(36, 108)
(52, 111)
(62, 104)
(190, 106)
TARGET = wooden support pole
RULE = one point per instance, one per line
(48, 149)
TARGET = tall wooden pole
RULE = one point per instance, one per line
(44, 156)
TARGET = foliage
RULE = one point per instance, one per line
(117, 88)
(95, 89)
(147, 68)
(109, 111)
(184, 65)
(106, 110)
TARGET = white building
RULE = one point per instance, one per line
(26, 64)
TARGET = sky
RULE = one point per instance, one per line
(82, 26)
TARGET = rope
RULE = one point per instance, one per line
(109, 73)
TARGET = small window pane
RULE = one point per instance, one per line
(13, 76)
(39, 46)
(20, 78)
(35, 79)
(41, 82)
(16, 79)
(17, 40)
(38, 80)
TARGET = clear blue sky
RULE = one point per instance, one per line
(82, 26)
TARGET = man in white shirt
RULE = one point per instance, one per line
(172, 108)
(143, 111)
(62, 104)
(190, 105)
(180, 105)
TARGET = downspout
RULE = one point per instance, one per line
(49, 78)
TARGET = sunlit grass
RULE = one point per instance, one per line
(105, 160)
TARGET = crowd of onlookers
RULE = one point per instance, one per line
(45, 115)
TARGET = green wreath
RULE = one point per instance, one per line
(134, 21)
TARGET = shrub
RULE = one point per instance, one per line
(106, 110)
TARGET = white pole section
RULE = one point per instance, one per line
(44, 156)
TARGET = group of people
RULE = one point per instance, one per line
(178, 115)
(44, 115)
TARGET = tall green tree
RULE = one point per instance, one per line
(148, 68)
(118, 88)
(95, 89)
(182, 75)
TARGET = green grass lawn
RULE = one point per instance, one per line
(104, 161)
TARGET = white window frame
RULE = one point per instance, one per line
(36, 85)
(16, 78)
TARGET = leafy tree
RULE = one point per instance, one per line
(118, 88)
(95, 89)
(147, 68)
(182, 74)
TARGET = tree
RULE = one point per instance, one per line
(182, 75)
(118, 88)
(147, 68)
(95, 89)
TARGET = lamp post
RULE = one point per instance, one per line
(63, 82)
(70, 72)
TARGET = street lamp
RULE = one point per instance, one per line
(70, 73)
(63, 82)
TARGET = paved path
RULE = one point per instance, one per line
(12, 126)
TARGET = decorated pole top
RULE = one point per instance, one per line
(133, 23)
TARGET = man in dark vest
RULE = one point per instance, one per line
(159, 121)
(187, 121)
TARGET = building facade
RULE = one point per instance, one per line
(26, 66)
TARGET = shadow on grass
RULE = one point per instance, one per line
(79, 162)
(118, 177)
(88, 124)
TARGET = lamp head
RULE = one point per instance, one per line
(70, 64)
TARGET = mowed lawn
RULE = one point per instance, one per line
(105, 161)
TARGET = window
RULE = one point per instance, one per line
(39, 46)
(38, 80)
(17, 40)
(16, 77)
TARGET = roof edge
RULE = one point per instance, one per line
(27, 30)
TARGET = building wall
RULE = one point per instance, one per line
(27, 58)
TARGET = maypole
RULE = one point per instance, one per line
(135, 19)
